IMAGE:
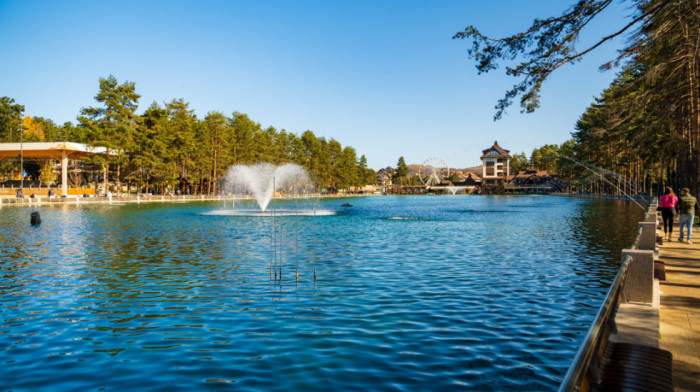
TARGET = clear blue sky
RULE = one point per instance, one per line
(382, 76)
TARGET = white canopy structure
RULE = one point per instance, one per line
(51, 150)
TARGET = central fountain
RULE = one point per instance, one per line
(263, 180)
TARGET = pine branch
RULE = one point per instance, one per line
(553, 41)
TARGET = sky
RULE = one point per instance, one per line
(384, 77)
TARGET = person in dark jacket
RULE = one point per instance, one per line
(687, 205)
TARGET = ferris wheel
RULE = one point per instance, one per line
(432, 171)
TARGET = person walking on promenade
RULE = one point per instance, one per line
(687, 205)
(667, 205)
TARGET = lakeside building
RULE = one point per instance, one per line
(495, 165)
(51, 151)
(533, 176)
(470, 182)
(384, 177)
(533, 180)
(471, 179)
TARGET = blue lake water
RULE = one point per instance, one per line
(414, 293)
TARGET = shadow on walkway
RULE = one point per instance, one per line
(679, 315)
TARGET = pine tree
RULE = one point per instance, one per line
(112, 125)
(401, 171)
(217, 133)
(10, 119)
(182, 142)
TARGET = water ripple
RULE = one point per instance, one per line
(411, 293)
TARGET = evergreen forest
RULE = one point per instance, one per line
(646, 124)
(168, 146)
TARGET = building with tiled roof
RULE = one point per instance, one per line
(532, 176)
(495, 164)
(470, 179)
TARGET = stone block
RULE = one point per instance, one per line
(647, 240)
(639, 285)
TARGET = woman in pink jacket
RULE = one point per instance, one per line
(667, 205)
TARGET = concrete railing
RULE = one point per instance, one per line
(583, 370)
(639, 286)
(634, 283)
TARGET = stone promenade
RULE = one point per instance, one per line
(679, 315)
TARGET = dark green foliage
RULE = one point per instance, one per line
(518, 163)
(401, 171)
(112, 124)
(367, 176)
(10, 122)
(10, 119)
(544, 47)
(169, 146)
(545, 157)
(646, 125)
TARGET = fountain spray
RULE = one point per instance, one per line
(602, 177)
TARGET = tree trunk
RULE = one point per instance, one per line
(214, 174)
(119, 181)
(105, 177)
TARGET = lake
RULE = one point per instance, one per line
(411, 293)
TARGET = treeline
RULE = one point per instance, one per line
(579, 172)
(169, 146)
(646, 124)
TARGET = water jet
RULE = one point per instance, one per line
(263, 180)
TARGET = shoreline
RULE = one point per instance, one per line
(78, 200)
(123, 199)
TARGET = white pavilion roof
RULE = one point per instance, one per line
(53, 150)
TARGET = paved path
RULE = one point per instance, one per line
(679, 315)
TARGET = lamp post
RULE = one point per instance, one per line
(21, 159)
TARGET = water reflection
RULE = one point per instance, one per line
(467, 292)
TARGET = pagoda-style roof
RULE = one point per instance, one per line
(500, 152)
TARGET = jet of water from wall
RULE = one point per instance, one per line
(601, 174)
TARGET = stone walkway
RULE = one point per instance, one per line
(679, 316)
